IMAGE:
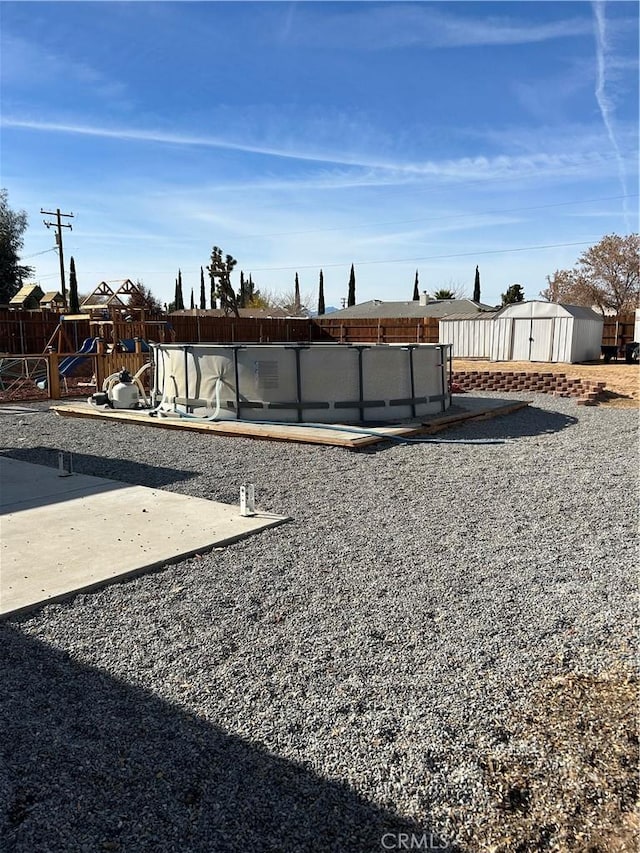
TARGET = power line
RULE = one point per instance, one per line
(384, 261)
(35, 255)
(427, 258)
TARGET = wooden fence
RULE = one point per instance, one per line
(29, 332)
(191, 329)
(384, 330)
(24, 332)
(618, 331)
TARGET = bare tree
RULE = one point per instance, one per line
(606, 275)
(142, 297)
(293, 303)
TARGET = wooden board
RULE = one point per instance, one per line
(335, 435)
(445, 421)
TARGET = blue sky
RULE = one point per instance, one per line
(300, 136)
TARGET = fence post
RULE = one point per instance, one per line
(54, 376)
(98, 361)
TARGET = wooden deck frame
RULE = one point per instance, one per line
(330, 435)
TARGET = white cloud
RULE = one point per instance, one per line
(479, 168)
(605, 103)
(27, 65)
(380, 26)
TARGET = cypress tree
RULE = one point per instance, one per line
(242, 299)
(351, 299)
(193, 301)
(321, 295)
(203, 301)
(296, 297)
(416, 292)
(74, 304)
(179, 296)
(476, 287)
(250, 291)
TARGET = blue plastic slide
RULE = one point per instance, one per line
(67, 365)
(129, 345)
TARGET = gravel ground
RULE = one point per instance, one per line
(338, 681)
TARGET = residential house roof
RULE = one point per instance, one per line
(376, 308)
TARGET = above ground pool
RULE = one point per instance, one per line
(297, 383)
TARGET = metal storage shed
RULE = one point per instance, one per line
(469, 334)
(546, 331)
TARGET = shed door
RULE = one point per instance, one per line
(541, 339)
(532, 339)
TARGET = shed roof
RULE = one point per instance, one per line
(478, 315)
(539, 308)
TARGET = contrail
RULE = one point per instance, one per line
(605, 105)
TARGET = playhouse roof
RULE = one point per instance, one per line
(52, 296)
(27, 293)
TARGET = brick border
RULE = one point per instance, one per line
(587, 391)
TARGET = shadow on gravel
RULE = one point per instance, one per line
(488, 431)
(530, 421)
(91, 763)
(124, 470)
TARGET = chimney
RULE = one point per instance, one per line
(424, 298)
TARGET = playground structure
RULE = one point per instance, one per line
(104, 340)
(110, 345)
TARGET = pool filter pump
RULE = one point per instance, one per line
(121, 394)
(124, 394)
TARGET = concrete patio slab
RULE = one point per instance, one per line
(64, 535)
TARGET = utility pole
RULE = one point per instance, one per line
(59, 225)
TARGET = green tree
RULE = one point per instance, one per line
(13, 224)
(212, 289)
(606, 275)
(251, 294)
(515, 293)
(179, 300)
(220, 270)
(74, 303)
(193, 301)
(444, 293)
(203, 300)
(321, 307)
(476, 286)
(416, 291)
(351, 298)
